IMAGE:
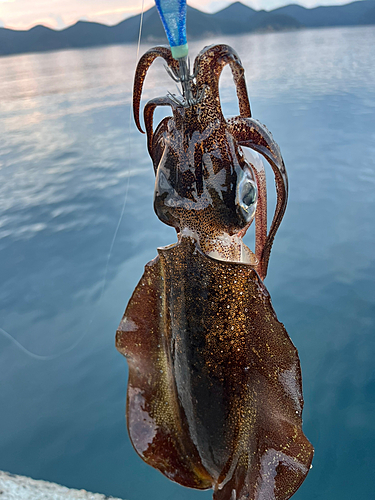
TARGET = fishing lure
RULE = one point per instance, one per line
(214, 394)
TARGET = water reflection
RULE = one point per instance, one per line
(70, 154)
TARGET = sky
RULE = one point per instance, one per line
(23, 14)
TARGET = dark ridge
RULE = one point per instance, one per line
(269, 21)
(235, 12)
(368, 17)
(340, 15)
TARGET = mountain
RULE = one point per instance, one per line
(341, 15)
(368, 17)
(237, 18)
(269, 21)
(235, 12)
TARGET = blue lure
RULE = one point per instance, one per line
(173, 16)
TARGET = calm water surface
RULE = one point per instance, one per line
(70, 155)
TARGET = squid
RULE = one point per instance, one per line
(214, 396)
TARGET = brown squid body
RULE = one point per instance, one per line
(215, 392)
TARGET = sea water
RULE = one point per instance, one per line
(71, 161)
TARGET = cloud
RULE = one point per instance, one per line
(23, 14)
(59, 21)
(209, 5)
(216, 5)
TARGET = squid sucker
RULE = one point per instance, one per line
(214, 394)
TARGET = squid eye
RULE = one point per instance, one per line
(247, 195)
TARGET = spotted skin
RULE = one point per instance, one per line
(215, 392)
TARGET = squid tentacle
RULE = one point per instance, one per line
(216, 57)
(144, 63)
(148, 115)
(261, 211)
(157, 145)
(252, 134)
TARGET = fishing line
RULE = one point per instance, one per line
(50, 357)
(127, 179)
(128, 156)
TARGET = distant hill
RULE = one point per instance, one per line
(238, 18)
(341, 15)
(235, 19)
(368, 17)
